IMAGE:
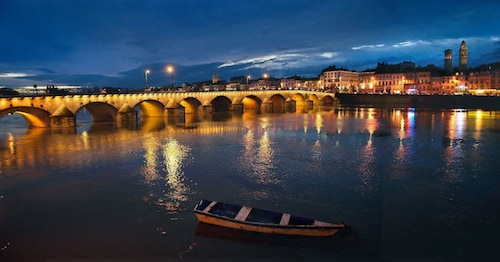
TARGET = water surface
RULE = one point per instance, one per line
(412, 185)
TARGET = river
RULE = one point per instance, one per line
(411, 184)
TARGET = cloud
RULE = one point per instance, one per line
(410, 43)
(14, 75)
(328, 54)
(367, 46)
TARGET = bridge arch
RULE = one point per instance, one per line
(328, 101)
(298, 97)
(100, 111)
(251, 102)
(191, 105)
(221, 103)
(151, 108)
(35, 117)
(278, 103)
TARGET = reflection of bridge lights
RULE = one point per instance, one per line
(12, 147)
(258, 157)
(175, 154)
(150, 167)
(85, 140)
(319, 122)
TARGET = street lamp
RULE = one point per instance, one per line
(248, 78)
(146, 73)
(265, 76)
(170, 70)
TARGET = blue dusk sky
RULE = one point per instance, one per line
(112, 42)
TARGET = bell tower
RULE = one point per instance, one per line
(463, 56)
(448, 65)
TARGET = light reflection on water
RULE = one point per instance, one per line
(379, 170)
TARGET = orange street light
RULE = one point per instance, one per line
(146, 73)
(170, 70)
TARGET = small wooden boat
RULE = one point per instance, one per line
(259, 220)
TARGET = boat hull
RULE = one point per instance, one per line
(317, 229)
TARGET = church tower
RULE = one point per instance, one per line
(448, 65)
(215, 77)
(463, 56)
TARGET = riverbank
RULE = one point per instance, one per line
(421, 101)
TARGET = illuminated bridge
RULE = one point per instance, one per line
(61, 111)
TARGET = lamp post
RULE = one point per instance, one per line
(146, 73)
(248, 78)
(170, 70)
(265, 76)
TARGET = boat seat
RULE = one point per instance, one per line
(209, 206)
(243, 214)
(285, 219)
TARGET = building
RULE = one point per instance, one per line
(463, 53)
(340, 80)
(448, 61)
(366, 82)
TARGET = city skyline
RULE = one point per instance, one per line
(98, 42)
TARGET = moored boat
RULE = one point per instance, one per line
(260, 220)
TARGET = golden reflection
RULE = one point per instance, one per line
(457, 124)
(12, 147)
(85, 140)
(257, 159)
(305, 120)
(150, 169)
(319, 122)
(175, 154)
(478, 122)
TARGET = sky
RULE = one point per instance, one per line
(112, 42)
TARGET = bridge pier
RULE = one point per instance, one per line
(205, 109)
(126, 119)
(290, 106)
(237, 108)
(267, 107)
(62, 117)
(62, 121)
(175, 115)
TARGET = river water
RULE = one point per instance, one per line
(413, 185)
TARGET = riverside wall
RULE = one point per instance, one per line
(421, 101)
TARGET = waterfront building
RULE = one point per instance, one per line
(452, 84)
(312, 84)
(417, 82)
(340, 80)
(495, 79)
(293, 82)
(267, 82)
(480, 82)
(389, 83)
(366, 82)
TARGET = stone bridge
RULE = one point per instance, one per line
(61, 111)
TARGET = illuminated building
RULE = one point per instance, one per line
(463, 57)
(340, 80)
(448, 61)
